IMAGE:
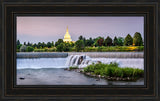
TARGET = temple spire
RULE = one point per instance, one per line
(67, 29)
(67, 37)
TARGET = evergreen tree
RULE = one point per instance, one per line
(120, 41)
(80, 37)
(108, 41)
(24, 43)
(128, 40)
(49, 44)
(137, 39)
(79, 45)
(18, 42)
(115, 41)
(52, 44)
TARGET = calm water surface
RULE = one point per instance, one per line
(50, 71)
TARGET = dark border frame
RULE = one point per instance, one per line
(8, 52)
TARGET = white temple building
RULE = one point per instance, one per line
(67, 37)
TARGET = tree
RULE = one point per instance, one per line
(128, 40)
(137, 39)
(79, 45)
(18, 42)
(89, 42)
(120, 41)
(59, 42)
(52, 45)
(80, 37)
(66, 47)
(24, 43)
(39, 45)
(29, 49)
(43, 45)
(29, 44)
(100, 42)
(60, 47)
(108, 41)
(115, 41)
(23, 48)
(34, 45)
(49, 44)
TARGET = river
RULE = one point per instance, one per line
(50, 71)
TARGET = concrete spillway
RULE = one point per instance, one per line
(110, 54)
(41, 55)
(90, 54)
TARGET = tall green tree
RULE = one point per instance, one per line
(108, 41)
(66, 47)
(80, 37)
(39, 45)
(59, 42)
(128, 40)
(24, 43)
(60, 47)
(52, 44)
(115, 41)
(137, 39)
(120, 41)
(49, 44)
(18, 42)
(79, 45)
(43, 45)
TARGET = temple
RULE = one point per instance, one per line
(67, 37)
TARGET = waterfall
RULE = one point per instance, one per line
(78, 60)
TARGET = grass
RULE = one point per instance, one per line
(114, 48)
(96, 49)
(112, 70)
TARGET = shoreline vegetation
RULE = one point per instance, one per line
(99, 44)
(110, 72)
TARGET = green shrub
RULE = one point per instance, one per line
(29, 49)
(73, 68)
(112, 70)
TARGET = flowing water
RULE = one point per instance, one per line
(50, 71)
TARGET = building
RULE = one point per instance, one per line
(67, 37)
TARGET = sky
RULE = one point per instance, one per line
(47, 29)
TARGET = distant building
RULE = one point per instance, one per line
(67, 37)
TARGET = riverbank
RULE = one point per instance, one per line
(110, 71)
(90, 54)
(59, 76)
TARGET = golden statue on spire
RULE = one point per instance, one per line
(67, 37)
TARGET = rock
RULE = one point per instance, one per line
(99, 62)
(98, 76)
(97, 79)
(21, 78)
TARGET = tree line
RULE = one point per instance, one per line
(82, 42)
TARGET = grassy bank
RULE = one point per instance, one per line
(93, 49)
(112, 71)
